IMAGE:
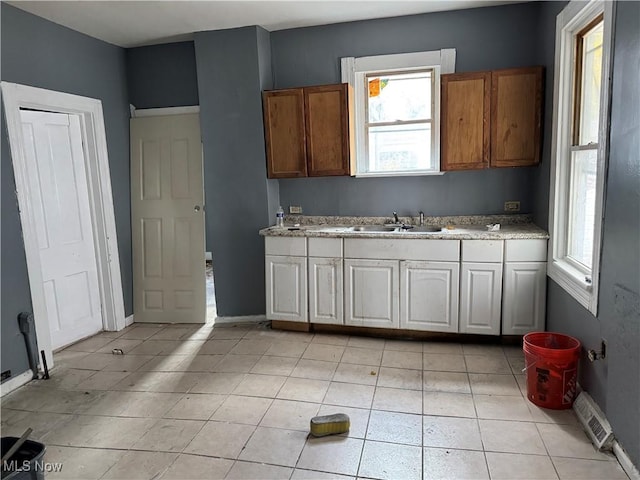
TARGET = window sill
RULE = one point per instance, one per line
(419, 173)
(573, 282)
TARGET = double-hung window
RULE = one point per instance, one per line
(397, 111)
(579, 157)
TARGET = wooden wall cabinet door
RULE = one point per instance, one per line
(327, 130)
(465, 121)
(284, 133)
(491, 119)
(516, 117)
(307, 131)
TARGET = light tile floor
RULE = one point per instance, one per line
(187, 402)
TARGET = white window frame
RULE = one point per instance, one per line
(354, 71)
(575, 16)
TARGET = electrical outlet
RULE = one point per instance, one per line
(295, 209)
(512, 206)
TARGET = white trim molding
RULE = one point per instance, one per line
(580, 284)
(89, 111)
(625, 462)
(157, 112)
(128, 321)
(16, 382)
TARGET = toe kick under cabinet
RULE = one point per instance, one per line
(487, 287)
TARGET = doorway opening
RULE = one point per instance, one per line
(87, 114)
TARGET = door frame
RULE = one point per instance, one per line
(89, 111)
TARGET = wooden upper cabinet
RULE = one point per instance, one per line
(284, 133)
(327, 130)
(516, 117)
(491, 119)
(307, 131)
(465, 121)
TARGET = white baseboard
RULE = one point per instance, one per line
(241, 319)
(16, 382)
(625, 461)
(128, 321)
(208, 256)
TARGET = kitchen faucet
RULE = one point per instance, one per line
(421, 220)
(395, 217)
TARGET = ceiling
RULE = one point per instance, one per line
(136, 23)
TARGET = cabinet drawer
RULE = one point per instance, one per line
(411, 249)
(325, 247)
(526, 250)
(286, 246)
(489, 251)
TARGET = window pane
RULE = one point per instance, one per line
(582, 205)
(400, 147)
(591, 82)
(405, 96)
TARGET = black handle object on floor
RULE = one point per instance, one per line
(16, 446)
(44, 365)
(27, 328)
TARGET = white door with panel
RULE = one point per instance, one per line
(325, 291)
(371, 293)
(59, 199)
(524, 297)
(286, 287)
(167, 216)
(480, 298)
(429, 296)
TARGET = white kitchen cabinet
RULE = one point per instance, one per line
(524, 297)
(326, 291)
(480, 295)
(371, 293)
(286, 288)
(429, 296)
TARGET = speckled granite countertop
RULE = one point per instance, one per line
(454, 228)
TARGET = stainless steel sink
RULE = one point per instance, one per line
(424, 229)
(373, 228)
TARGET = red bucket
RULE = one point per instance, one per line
(551, 361)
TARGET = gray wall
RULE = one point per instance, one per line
(162, 75)
(232, 70)
(484, 39)
(40, 53)
(614, 382)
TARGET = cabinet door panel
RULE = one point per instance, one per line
(327, 129)
(516, 116)
(429, 296)
(465, 120)
(284, 133)
(524, 300)
(480, 295)
(325, 291)
(286, 286)
(371, 293)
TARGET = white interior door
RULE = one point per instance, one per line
(167, 216)
(59, 199)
